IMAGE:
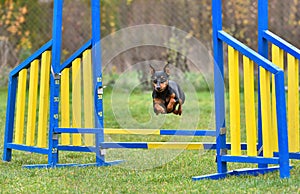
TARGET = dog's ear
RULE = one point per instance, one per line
(167, 69)
(152, 70)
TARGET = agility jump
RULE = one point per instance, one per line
(53, 132)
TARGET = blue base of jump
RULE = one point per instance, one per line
(292, 155)
(239, 172)
(116, 162)
(295, 155)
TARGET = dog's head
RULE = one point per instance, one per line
(160, 79)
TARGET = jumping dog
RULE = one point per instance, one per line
(166, 93)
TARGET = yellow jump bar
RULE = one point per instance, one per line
(132, 131)
(176, 145)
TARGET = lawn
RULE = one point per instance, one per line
(143, 171)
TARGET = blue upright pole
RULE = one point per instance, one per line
(284, 166)
(97, 76)
(219, 85)
(55, 81)
(9, 124)
(263, 17)
(262, 26)
(262, 50)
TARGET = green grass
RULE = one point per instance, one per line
(143, 171)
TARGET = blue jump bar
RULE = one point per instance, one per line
(286, 46)
(77, 54)
(292, 155)
(250, 159)
(162, 131)
(110, 163)
(188, 132)
(77, 148)
(132, 145)
(78, 130)
(145, 145)
(36, 55)
(27, 148)
(251, 54)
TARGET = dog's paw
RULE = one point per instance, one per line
(177, 112)
(159, 109)
(169, 110)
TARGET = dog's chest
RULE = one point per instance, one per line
(165, 95)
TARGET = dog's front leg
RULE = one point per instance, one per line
(158, 106)
(172, 103)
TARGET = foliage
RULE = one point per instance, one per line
(12, 19)
(110, 12)
(39, 23)
(26, 25)
(177, 52)
(240, 20)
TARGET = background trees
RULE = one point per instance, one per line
(26, 25)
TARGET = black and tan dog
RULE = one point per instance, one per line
(166, 93)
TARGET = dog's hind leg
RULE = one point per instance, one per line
(179, 110)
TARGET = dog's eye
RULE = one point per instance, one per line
(155, 81)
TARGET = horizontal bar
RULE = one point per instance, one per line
(157, 145)
(188, 132)
(107, 145)
(281, 43)
(110, 131)
(136, 145)
(239, 172)
(77, 148)
(75, 55)
(26, 62)
(248, 52)
(32, 166)
(176, 145)
(28, 148)
(132, 145)
(250, 159)
(72, 165)
(138, 131)
(77, 130)
(160, 132)
(292, 155)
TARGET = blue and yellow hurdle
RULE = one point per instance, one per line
(54, 107)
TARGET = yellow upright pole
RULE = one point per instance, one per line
(44, 100)
(234, 100)
(266, 112)
(88, 96)
(249, 106)
(293, 103)
(277, 59)
(76, 99)
(65, 104)
(32, 102)
(20, 111)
